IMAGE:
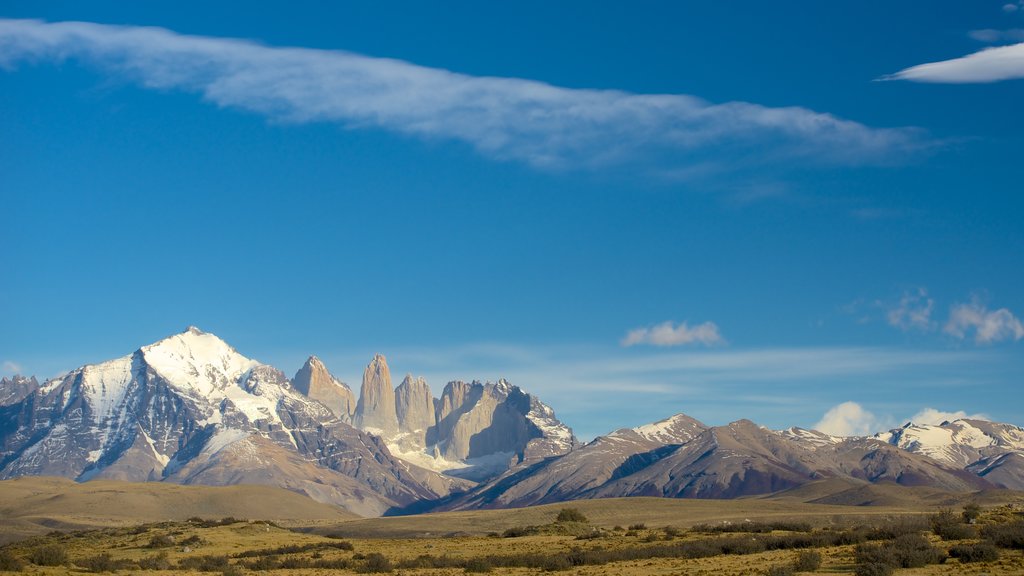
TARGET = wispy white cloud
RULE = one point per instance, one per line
(992, 36)
(12, 367)
(504, 118)
(1011, 7)
(667, 334)
(914, 312)
(936, 417)
(988, 65)
(989, 326)
(849, 419)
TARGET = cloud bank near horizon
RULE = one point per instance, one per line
(852, 419)
(514, 119)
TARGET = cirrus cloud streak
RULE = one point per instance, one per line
(504, 118)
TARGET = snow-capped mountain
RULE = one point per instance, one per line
(982, 447)
(191, 409)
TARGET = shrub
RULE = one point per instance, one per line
(161, 541)
(906, 551)
(640, 526)
(155, 562)
(555, 563)
(205, 563)
(518, 531)
(779, 570)
(10, 563)
(478, 565)
(807, 561)
(570, 515)
(103, 563)
(49, 555)
(983, 552)
(873, 569)
(949, 526)
(375, 563)
(971, 513)
(672, 531)
(1009, 535)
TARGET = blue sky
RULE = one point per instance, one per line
(732, 210)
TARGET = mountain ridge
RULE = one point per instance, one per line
(190, 409)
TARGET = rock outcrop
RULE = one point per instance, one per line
(414, 407)
(314, 380)
(16, 389)
(375, 411)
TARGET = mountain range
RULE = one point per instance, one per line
(190, 409)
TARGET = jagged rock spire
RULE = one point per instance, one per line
(376, 407)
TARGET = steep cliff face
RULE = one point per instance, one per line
(414, 407)
(316, 382)
(375, 411)
(474, 430)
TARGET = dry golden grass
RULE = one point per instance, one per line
(35, 505)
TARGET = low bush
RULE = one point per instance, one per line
(478, 565)
(779, 570)
(949, 526)
(873, 569)
(754, 527)
(807, 561)
(104, 563)
(906, 551)
(376, 563)
(1009, 535)
(205, 563)
(155, 562)
(971, 513)
(570, 515)
(519, 531)
(48, 555)
(161, 541)
(640, 526)
(983, 552)
(10, 563)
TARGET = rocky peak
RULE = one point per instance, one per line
(414, 406)
(376, 407)
(316, 382)
(16, 388)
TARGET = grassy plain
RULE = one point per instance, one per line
(631, 537)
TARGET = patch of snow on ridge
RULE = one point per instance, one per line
(197, 362)
(543, 417)
(814, 438)
(664, 431)
(104, 387)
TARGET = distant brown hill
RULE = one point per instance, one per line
(37, 504)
